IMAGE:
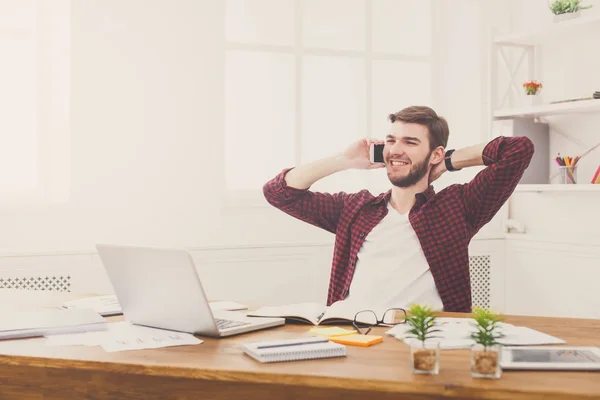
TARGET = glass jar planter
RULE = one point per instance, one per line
(425, 357)
(485, 361)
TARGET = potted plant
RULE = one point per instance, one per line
(424, 353)
(486, 352)
(567, 9)
(532, 87)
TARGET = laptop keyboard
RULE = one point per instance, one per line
(227, 324)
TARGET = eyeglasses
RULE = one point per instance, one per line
(367, 319)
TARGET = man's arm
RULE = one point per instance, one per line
(289, 191)
(506, 159)
(304, 176)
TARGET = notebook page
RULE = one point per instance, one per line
(307, 311)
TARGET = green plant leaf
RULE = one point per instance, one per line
(487, 327)
(422, 322)
(567, 6)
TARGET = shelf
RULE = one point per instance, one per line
(571, 107)
(584, 187)
(570, 27)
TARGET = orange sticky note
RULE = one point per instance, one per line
(357, 340)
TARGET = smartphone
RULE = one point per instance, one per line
(377, 153)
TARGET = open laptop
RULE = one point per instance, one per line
(160, 288)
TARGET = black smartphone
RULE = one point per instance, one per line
(377, 153)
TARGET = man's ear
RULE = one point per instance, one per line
(437, 155)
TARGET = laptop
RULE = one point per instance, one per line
(160, 288)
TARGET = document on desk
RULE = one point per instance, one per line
(121, 336)
(25, 324)
(318, 314)
(104, 305)
(107, 305)
(456, 334)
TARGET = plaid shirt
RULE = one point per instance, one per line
(444, 222)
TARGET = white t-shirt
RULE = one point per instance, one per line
(391, 270)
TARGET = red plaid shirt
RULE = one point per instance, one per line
(444, 222)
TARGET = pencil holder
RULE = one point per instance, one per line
(567, 175)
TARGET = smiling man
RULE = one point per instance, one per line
(409, 244)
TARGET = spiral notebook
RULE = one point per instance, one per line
(294, 349)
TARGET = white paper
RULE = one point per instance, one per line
(11, 321)
(523, 336)
(121, 336)
(76, 339)
(103, 305)
(109, 305)
(456, 334)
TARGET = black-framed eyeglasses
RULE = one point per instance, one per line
(365, 320)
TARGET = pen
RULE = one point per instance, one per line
(269, 346)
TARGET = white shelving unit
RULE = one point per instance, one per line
(529, 44)
(564, 30)
(544, 110)
(558, 188)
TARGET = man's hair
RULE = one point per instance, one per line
(423, 115)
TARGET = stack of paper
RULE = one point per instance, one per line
(109, 305)
(24, 324)
(456, 334)
(103, 305)
(121, 336)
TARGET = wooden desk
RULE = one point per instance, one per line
(217, 369)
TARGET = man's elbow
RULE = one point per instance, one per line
(529, 147)
(269, 192)
(526, 149)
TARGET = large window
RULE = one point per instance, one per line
(304, 78)
(34, 100)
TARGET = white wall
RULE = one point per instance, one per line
(146, 118)
(146, 130)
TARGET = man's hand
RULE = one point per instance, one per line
(437, 170)
(357, 155)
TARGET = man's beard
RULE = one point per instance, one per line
(416, 173)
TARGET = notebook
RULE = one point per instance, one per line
(25, 324)
(317, 314)
(294, 349)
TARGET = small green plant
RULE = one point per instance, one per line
(487, 327)
(422, 322)
(567, 6)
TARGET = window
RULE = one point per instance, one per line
(34, 100)
(304, 78)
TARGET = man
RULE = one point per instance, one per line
(408, 245)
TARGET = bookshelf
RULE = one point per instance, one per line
(544, 110)
(588, 187)
(529, 120)
(564, 30)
